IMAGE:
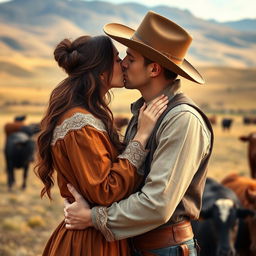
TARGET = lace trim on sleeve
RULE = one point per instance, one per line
(76, 122)
(99, 219)
(134, 153)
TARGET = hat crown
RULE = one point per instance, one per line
(164, 36)
(159, 40)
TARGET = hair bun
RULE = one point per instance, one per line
(66, 55)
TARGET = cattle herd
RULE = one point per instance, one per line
(227, 223)
(226, 123)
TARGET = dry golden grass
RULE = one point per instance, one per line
(26, 221)
(226, 89)
(229, 153)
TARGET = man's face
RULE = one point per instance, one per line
(136, 74)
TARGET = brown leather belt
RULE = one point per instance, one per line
(172, 235)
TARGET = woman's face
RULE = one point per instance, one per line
(117, 80)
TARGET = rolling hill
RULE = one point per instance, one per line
(33, 27)
(30, 29)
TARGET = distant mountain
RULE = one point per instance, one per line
(33, 27)
(243, 25)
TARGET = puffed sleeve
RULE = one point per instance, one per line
(102, 180)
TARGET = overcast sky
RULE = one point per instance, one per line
(221, 10)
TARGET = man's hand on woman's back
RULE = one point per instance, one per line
(77, 214)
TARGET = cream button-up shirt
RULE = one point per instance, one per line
(183, 141)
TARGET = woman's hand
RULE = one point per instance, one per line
(148, 117)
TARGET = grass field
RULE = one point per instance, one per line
(26, 221)
(226, 89)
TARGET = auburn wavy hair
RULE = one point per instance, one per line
(83, 60)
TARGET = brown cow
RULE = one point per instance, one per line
(251, 138)
(14, 126)
(245, 189)
(213, 119)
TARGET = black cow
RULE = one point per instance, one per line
(226, 123)
(216, 231)
(19, 149)
(249, 120)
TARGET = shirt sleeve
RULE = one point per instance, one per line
(102, 180)
(182, 144)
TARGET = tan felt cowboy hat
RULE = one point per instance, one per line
(160, 40)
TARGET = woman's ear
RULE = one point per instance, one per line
(102, 77)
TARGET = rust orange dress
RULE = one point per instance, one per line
(84, 156)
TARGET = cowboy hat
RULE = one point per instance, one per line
(160, 40)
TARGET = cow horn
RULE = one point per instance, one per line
(244, 138)
(251, 194)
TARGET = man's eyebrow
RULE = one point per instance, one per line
(129, 54)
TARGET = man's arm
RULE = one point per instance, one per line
(182, 144)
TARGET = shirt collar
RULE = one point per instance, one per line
(171, 90)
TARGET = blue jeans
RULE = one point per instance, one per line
(172, 250)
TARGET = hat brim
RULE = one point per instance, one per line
(123, 35)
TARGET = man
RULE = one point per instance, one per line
(180, 147)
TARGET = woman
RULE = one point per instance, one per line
(79, 141)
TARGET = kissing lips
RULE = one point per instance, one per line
(124, 76)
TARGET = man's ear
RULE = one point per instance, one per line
(155, 69)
